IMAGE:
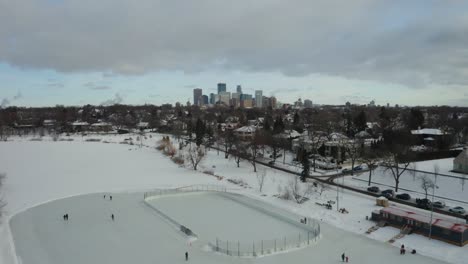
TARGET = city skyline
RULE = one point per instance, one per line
(398, 52)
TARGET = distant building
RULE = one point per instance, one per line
(235, 99)
(245, 132)
(239, 89)
(273, 102)
(205, 100)
(197, 96)
(213, 98)
(259, 98)
(460, 163)
(246, 100)
(221, 87)
(308, 103)
(225, 98)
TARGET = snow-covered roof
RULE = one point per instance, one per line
(362, 134)
(142, 124)
(337, 136)
(428, 131)
(246, 129)
(429, 139)
(440, 222)
(462, 158)
(79, 123)
(101, 124)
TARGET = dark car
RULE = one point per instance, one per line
(373, 189)
(389, 191)
(403, 196)
(424, 203)
(358, 168)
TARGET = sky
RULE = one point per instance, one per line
(77, 52)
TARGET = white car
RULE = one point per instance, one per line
(458, 210)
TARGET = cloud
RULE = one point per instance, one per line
(93, 86)
(412, 43)
(18, 95)
(55, 84)
(116, 100)
(5, 103)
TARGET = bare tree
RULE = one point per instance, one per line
(426, 184)
(239, 152)
(261, 175)
(194, 155)
(354, 150)
(396, 164)
(370, 157)
(321, 187)
(254, 148)
(300, 192)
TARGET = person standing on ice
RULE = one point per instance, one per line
(112, 216)
(111, 197)
(186, 256)
(342, 257)
(347, 258)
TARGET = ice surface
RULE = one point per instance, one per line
(139, 235)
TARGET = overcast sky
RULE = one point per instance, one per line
(77, 52)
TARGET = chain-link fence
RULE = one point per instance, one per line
(268, 246)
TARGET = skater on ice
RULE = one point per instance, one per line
(343, 257)
(112, 216)
(186, 256)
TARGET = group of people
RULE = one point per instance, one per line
(65, 216)
(303, 221)
(343, 211)
(344, 258)
(403, 250)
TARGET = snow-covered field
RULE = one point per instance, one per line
(43, 171)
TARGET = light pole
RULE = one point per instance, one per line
(432, 204)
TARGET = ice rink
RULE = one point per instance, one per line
(221, 215)
(140, 235)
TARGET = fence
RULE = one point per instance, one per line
(310, 233)
(266, 247)
(190, 188)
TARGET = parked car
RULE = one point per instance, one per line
(403, 196)
(458, 210)
(271, 162)
(389, 191)
(346, 170)
(373, 189)
(424, 203)
(387, 195)
(358, 168)
(439, 204)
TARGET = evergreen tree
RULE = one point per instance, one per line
(278, 126)
(199, 132)
(360, 121)
(305, 165)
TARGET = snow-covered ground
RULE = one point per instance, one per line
(41, 171)
(453, 188)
